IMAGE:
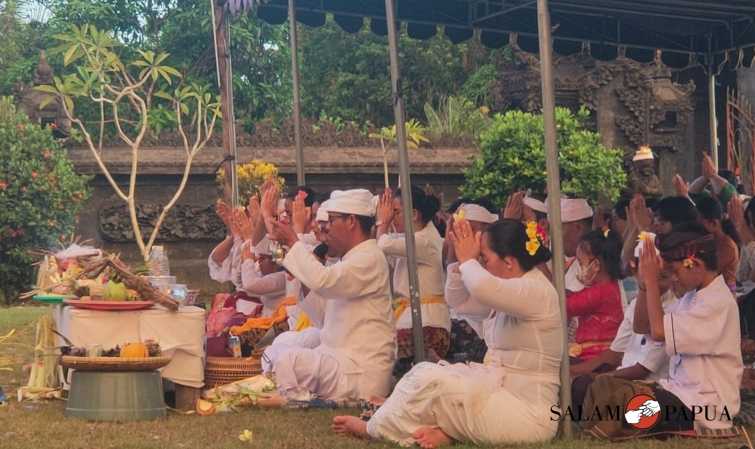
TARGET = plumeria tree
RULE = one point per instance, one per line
(127, 96)
(415, 136)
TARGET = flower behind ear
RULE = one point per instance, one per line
(534, 242)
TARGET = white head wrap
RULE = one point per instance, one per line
(356, 202)
(536, 205)
(322, 211)
(574, 210)
(263, 248)
(475, 212)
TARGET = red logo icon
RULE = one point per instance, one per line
(642, 412)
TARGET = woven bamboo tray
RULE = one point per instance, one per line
(224, 370)
(114, 363)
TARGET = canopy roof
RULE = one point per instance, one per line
(687, 31)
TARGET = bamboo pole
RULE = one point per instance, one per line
(294, 35)
(712, 122)
(406, 192)
(225, 79)
(554, 191)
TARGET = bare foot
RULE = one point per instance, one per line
(349, 425)
(272, 401)
(431, 437)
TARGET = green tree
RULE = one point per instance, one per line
(513, 158)
(339, 67)
(22, 37)
(40, 196)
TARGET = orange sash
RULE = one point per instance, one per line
(267, 322)
(401, 304)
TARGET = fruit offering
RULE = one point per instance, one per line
(149, 348)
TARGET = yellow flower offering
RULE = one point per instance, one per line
(532, 230)
(532, 247)
(251, 176)
(246, 436)
(533, 242)
(458, 216)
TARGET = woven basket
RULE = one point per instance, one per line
(224, 370)
(114, 363)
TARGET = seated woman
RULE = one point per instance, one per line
(261, 277)
(727, 240)
(509, 398)
(632, 356)
(701, 335)
(598, 306)
(436, 322)
(224, 260)
(468, 319)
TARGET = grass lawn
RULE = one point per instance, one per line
(42, 425)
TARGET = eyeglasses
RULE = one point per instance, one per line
(332, 216)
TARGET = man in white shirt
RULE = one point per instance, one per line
(357, 350)
(576, 217)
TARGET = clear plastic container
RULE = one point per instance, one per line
(158, 261)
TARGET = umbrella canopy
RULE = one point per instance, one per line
(687, 31)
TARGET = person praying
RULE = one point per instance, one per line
(468, 337)
(358, 348)
(509, 398)
(436, 321)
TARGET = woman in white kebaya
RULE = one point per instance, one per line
(509, 398)
(261, 277)
(436, 322)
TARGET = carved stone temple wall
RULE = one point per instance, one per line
(632, 104)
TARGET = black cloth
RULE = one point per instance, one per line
(466, 345)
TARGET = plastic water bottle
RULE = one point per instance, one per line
(159, 265)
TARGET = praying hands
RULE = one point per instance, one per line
(466, 242)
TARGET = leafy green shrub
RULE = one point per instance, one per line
(455, 117)
(477, 87)
(40, 196)
(512, 157)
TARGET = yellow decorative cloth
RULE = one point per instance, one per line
(302, 322)
(267, 322)
(402, 304)
(576, 349)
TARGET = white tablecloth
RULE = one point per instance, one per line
(180, 334)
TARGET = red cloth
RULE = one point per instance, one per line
(600, 315)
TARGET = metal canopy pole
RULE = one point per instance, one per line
(554, 190)
(221, 35)
(712, 122)
(406, 192)
(297, 99)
